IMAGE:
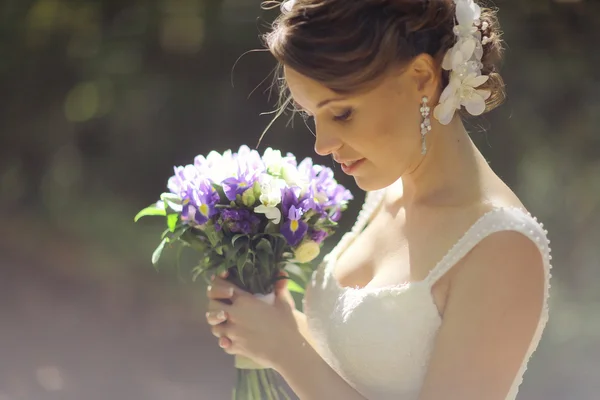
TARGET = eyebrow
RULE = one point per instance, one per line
(325, 102)
(321, 104)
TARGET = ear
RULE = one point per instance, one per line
(425, 75)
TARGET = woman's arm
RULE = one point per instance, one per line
(309, 376)
(493, 308)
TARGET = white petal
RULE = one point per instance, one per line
(476, 10)
(475, 105)
(467, 12)
(467, 48)
(476, 81)
(444, 112)
(478, 50)
(449, 91)
(457, 59)
(484, 93)
(447, 62)
(274, 215)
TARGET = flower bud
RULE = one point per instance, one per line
(256, 189)
(248, 198)
(307, 251)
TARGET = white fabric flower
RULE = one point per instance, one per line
(462, 92)
(467, 12)
(464, 49)
(464, 62)
(287, 6)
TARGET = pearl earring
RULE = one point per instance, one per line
(426, 124)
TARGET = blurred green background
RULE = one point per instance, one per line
(100, 98)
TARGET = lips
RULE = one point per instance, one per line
(347, 162)
(350, 166)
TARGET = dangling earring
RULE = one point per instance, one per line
(425, 125)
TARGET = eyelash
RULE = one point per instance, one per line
(345, 116)
(339, 118)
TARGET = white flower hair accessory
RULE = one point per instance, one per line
(287, 5)
(463, 61)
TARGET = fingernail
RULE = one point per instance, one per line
(221, 315)
(230, 291)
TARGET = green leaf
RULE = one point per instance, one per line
(158, 252)
(152, 210)
(178, 263)
(222, 268)
(271, 228)
(294, 287)
(220, 191)
(172, 220)
(212, 235)
(236, 237)
(263, 259)
(196, 272)
(171, 197)
(264, 245)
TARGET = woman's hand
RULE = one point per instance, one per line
(250, 327)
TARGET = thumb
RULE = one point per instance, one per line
(281, 284)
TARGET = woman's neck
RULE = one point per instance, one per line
(450, 174)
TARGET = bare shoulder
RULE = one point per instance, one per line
(506, 259)
(494, 310)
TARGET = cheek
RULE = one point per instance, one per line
(394, 127)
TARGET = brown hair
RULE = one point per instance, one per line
(346, 45)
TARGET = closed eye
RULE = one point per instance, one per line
(345, 116)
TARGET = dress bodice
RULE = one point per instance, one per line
(380, 339)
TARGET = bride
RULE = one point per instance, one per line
(440, 290)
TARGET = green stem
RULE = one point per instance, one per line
(265, 383)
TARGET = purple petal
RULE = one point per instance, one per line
(294, 231)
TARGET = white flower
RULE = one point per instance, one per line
(292, 176)
(220, 166)
(273, 161)
(270, 197)
(272, 213)
(462, 92)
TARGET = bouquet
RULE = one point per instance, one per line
(254, 217)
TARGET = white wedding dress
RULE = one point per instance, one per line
(380, 339)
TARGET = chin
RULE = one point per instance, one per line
(370, 183)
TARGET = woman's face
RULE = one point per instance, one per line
(375, 135)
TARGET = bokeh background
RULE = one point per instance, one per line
(100, 98)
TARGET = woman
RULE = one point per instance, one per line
(440, 290)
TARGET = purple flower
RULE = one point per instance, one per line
(249, 167)
(199, 203)
(323, 192)
(318, 236)
(234, 186)
(183, 179)
(294, 229)
(290, 199)
(239, 220)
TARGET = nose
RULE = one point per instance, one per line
(326, 142)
